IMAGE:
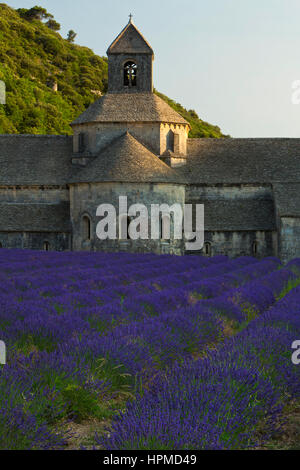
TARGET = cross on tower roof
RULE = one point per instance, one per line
(130, 18)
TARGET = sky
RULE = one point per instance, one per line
(233, 61)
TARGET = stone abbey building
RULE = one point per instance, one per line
(130, 142)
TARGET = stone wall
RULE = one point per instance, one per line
(154, 136)
(35, 240)
(30, 232)
(239, 219)
(240, 243)
(34, 194)
(116, 73)
(179, 145)
(85, 198)
(101, 135)
(229, 191)
(289, 238)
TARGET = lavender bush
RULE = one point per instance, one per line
(197, 350)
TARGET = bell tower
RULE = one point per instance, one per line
(130, 62)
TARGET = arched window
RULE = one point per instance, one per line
(207, 249)
(255, 248)
(170, 140)
(46, 246)
(86, 228)
(130, 71)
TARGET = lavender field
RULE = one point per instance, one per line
(163, 352)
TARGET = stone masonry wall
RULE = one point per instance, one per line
(241, 243)
(101, 135)
(116, 73)
(179, 129)
(85, 198)
(237, 233)
(289, 238)
(35, 240)
(34, 194)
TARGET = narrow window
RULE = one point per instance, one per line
(86, 228)
(255, 248)
(170, 140)
(128, 223)
(124, 222)
(0, 245)
(207, 249)
(130, 70)
(82, 142)
(46, 246)
(165, 227)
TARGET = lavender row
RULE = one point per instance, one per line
(101, 276)
(218, 402)
(65, 315)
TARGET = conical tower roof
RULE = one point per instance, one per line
(127, 160)
(125, 107)
(130, 41)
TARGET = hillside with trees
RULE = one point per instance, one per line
(50, 80)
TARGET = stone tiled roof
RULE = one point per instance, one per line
(287, 198)
(239, 215)
(128, 107)
(35, 217)
(213, 161)
(130, 40)
(127, 160)
(35, 159)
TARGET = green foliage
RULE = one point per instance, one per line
(33, 55)
(35, 13)
(54, 25)
(81, 402)
(71, 36)
(292, 284)
(199, 128)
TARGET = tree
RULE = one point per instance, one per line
(35, 13)
(71, 35)
(193, 114)
(54, 25)
(22, 12)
